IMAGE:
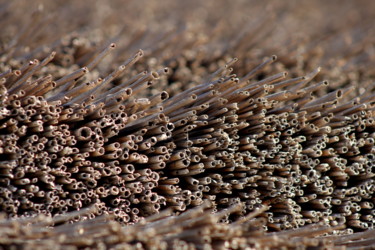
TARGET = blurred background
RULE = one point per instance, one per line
(335, 35)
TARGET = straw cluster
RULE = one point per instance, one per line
(199, 228)
(228, 140)
(95, 124)
(68, 150)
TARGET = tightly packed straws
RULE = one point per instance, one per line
(185, 135)
(197, 228)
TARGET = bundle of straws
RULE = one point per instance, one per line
(120, 131)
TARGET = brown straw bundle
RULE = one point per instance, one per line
(116, 131)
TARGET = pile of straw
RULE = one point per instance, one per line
(99, 137)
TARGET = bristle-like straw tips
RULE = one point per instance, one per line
(183, 145)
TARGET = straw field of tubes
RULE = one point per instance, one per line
(187, 124)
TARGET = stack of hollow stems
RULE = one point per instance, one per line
(195, 229)
(228, 140)
(102, 136)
